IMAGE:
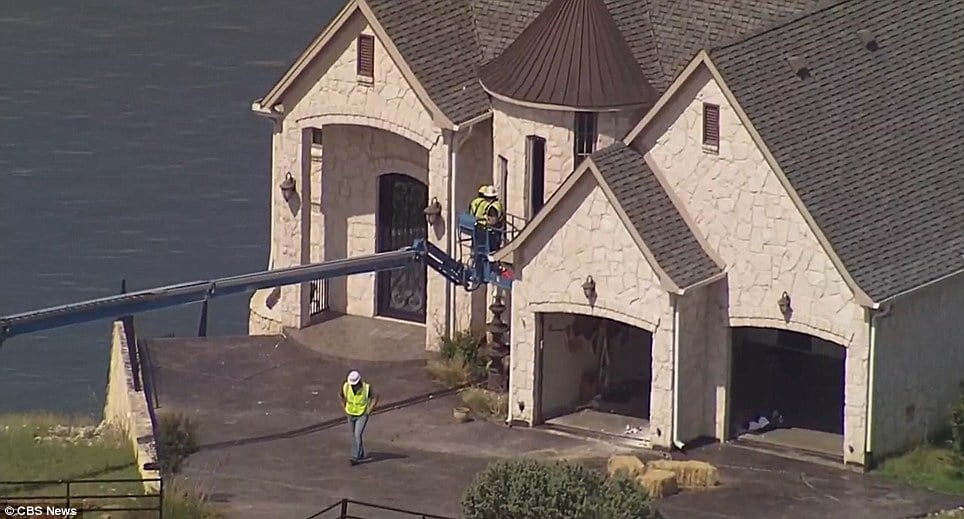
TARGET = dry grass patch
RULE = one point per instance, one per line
(690, 473)
(485, 403)
(451, 373)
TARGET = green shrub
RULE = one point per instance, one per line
(177, 439)
(957, 423)
(533, 489)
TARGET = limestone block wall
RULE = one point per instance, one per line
(355, 158)
(919, 362)
(584, 237)
(512, 124)
(330, 93)
(126, 408)
(745, 213)
(474, 168)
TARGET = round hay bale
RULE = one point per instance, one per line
(630, 465)
(659, 483)
(690, 473)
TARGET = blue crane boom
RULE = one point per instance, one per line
(470, 276)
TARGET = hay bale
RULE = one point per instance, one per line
(659, 483)
(690, 473)
(631, 465)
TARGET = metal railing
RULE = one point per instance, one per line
(346, 509)
(27, 494)
(318, 296)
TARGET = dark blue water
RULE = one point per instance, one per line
(128, 150)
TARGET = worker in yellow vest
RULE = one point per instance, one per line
(359, 401)
(489, 215)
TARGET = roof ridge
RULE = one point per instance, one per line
(828, 5)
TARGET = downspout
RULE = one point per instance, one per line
(872, 354)
(676, 441)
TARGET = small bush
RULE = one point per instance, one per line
(450, 372)
(533, 489)
(182, 503)
(486, 403)
(463, 345)
(957, 424)
(177, 439)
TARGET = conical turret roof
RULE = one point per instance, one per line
(571, 56)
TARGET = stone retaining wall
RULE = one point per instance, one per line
(127, 409)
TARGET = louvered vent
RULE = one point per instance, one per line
(366, 56)
(711, 127)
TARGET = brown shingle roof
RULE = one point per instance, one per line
(571, 55)
(871, 141)
(655, 217)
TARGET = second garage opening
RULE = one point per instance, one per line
(787, 390)
(595, 375)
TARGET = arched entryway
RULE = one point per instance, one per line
(787, 390)
(399, 222)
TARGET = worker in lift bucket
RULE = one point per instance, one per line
(489, 215)
(359, 401)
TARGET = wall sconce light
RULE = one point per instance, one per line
(784, 304)
(288, 186)
(589, 288)
(433, 211)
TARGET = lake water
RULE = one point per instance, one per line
(128, 150)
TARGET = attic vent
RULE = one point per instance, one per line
(366, 56)
(799, 66)
(867, 39)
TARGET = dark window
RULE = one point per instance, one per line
(316, 136)
(503, 177)
(711, 127)
(586, 133)
(366, 56)
(535, 175)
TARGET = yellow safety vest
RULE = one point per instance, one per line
(480, 208)
(356, 405)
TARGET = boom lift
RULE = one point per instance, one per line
(472, 274)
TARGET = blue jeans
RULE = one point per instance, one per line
(357, 424)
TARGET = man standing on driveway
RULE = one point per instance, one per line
(359, 401)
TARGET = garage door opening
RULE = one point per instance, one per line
(787, 390)
(595, 375)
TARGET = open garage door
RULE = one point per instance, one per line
(595, 375)
(787, 390)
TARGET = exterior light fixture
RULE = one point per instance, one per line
(589, 288)
(784, 304)
(433, 211)
(288, 187)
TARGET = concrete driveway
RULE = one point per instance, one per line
(274, 443)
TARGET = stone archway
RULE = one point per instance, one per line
(399, 221)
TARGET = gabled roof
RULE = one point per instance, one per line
(444, 42)
(870, 140)
(661, 231)
(571, 56)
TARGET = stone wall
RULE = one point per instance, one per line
(585, 237)
(330, 93)
(746, 214)
(919, 362)
(512, 124)
(355, 158)
(126, 408)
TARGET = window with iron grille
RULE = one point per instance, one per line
(503, 177)
(711, 128)
(366, 56)
(586, 134)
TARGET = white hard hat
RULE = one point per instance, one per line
(488, 191)
(354, 377)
